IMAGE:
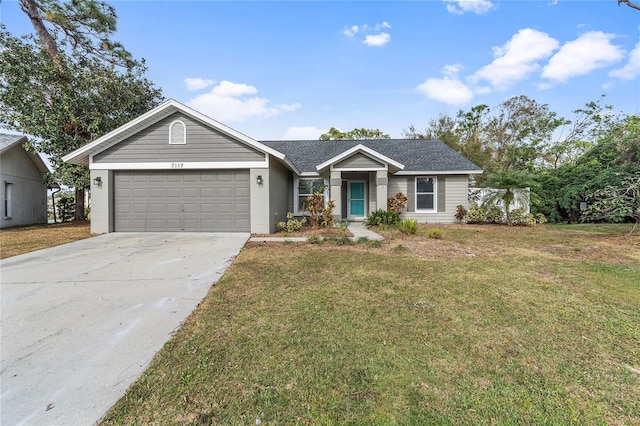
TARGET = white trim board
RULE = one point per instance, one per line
(181, 165)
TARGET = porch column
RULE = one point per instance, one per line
(335, 186)
(381, 189)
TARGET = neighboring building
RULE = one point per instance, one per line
(175, 169)
(23, 192)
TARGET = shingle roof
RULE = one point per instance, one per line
(417, 155)
(7, 141)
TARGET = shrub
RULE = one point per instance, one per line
(314, 239)
(541, 219)
(520, 217)
(374, 243)
(327, 214)
(408, 226)
(397, 203)
(435, 233)
(485, 214)
(292, 224)
(362, 240)
(381, 217)
(461, 212)
(400, 248)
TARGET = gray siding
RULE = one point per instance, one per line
(28, 192)
(279, 195)
(358, 161)
(451, 191)
(203, 145)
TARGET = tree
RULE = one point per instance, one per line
(71, 84)
(506, 185)
(615, 203)
(355, 134)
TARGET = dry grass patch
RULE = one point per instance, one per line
(308, 334)
(25, 239)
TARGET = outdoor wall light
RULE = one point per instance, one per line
(97, 181)
(259, 179)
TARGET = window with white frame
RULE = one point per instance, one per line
(177, 133)
(425, 193)
(305, 188)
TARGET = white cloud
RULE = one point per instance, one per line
(229, 102)
(377, 39)
(462, 6)
(632, 69)
(229, 88)
(588, 52)
(452, 69)
(517, 58)
(303, 133)
(448, 90)
(351, 31)
(289, 107)
(198, 83)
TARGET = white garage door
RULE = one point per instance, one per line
(182, 200)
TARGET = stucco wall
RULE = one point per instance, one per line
(28, 192)
(101, 209)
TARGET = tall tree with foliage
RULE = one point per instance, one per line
(355, 134)
(71, 83)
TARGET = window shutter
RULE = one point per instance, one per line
(411, 194)
(442, 190)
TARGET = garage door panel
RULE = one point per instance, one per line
(225, 192)
(182, 200)
(191, 192)
(241, 192)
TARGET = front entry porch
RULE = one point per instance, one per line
(356, 194)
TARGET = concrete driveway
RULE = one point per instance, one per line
(81, 321)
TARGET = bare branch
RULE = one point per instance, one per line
(628, 3)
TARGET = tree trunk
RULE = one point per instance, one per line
(79, 213)
(30, 7)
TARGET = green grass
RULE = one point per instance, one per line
(308, 334)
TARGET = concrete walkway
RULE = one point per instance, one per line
(81, 321)
(357, 229)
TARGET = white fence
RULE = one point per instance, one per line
(521, 200)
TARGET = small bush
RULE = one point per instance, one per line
(520, 217)
(374, 243)
(541, 219)
(401, 248)
(314, 239)
(340, 241)
(397, 203)
(292, 224)
(435, 233)
(461, 212)
(485, 214)
(408, 226)
(362, 240)
(381, 217)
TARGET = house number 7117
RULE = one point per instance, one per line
(177, 165)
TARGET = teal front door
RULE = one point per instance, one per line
(356, 199)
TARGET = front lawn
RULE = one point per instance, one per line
(489, 325)
(24, 239)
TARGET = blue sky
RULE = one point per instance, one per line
(289, 70)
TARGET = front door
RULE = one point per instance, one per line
(357, 200)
